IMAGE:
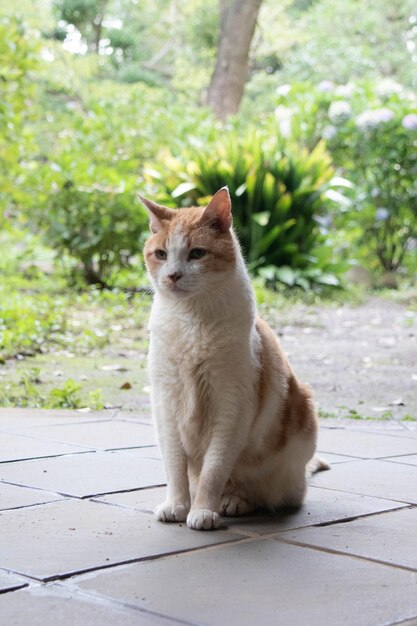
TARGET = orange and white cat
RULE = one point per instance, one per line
(235, 426)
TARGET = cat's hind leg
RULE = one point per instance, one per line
(233, 504)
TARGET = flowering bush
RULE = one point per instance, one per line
(371, 132)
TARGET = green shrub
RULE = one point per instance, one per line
(100, 227)
(278, 195)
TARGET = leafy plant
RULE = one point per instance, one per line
(279, 197)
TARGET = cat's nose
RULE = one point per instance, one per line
(175, 276)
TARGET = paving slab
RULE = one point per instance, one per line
(52, 605)
(63, 538)
(322, 506)
(10, 582)
(383, 479)
(390, 537)
(263, 582)
(13, 419)
(88, 474)
(104, 435)
(15, 497)
(141, 500)
(366, 445)
(18, 447)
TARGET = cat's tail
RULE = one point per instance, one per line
(316, 464)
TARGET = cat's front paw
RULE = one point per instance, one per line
(171, 512)
(202, 519)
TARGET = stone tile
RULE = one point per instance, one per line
(104, 435)
(17, 447)
(390, 537)
(263, 582)
(382, 479)
(321, 506)
(61, 538)
(86, 474)
(364, 444)
(52, 605)
(141, 500)
(9, 582)
(13, 497)
(12, 420)
(407, 459)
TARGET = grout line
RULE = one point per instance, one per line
(360, 516)
(51, 456)
(153, 557)
(359, 557)
(31, 506)
(367, 495)
(410, 621)
(14, 588)
(115, 602)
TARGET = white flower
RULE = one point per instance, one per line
(371, 119)
(339, 110)
(328, 132)
(388, 87)
(409, 122)
(283, 90)
(381, 214)
(345, 90)
(284, 117)
(325, 85)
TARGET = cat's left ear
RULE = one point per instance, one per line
(219, 211)
(158, 214)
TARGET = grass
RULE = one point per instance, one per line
(52, 335)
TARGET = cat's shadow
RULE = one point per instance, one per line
(261, 516)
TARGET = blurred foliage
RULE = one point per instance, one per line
(278, 196)
(17, 59)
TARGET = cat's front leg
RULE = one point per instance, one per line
(177, 503)
(226, 443)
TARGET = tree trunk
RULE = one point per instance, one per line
(237, 26)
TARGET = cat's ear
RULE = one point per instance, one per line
(157, 213)
(219, 211)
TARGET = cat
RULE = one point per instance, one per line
(235, 426)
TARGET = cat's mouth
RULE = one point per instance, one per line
(177, 289)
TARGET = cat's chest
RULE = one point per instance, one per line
(182, 341)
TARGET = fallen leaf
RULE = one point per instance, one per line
(397, 402)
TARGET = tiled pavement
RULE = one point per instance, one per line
(79, 545)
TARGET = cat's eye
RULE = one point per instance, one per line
(196, 253)
(161, 254)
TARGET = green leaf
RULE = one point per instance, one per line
(286, 275)
(261, 218)
(182, 189)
